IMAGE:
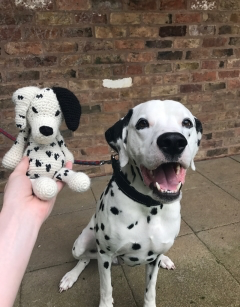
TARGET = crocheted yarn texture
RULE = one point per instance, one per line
(39, 113)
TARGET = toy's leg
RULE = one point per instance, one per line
(78, 182)
(44, 188)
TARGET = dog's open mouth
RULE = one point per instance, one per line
(166, 180)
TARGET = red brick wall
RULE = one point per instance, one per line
(187, 50)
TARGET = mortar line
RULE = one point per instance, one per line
(129, 286)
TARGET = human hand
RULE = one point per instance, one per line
(18, 196)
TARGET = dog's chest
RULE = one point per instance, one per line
(132, 231)
(44, 160)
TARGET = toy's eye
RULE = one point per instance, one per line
(142, 124)
(57, 113)
(187, 123)
(34, 110)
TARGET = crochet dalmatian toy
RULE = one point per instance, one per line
(39, 113)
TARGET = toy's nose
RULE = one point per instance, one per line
(46, 131)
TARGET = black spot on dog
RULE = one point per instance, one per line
(198, 143)
(146, 290)
(38, 163)
(101, 251)
(159, 263)
(106, 264)
(91, 228)
(136, 223)
(62, 163)
(134, 259)
(36, 148)
(108, 248)
(102, 226)
(101, 207)
(139, 173)
(107, 237)
(148, 219)
(133, 173)
(153, 262)
(150, 276)
(48, 167)
(150, 253)
(150, 259)
(136, 246)
(60, 143)
(112, 194)
(48, 153)
(96, 228)
(114, 210)
(73, 248)
(57, 113)
(97, 242)
(56, 156)
(108, 186)
(154, 211)
(20, 97)
(93, 251)
(39, 96)
(130, 226)
(34, 110)
(101, 196)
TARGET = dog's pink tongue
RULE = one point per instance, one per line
(166, 177)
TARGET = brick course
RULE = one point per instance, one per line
(173, 49)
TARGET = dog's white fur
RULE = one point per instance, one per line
(122, 228)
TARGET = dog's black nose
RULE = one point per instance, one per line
(46, 131)
(172, 143)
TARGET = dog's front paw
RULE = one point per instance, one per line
(67, 281)
(166, 263)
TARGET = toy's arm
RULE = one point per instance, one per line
(15, 153)
(67, 153)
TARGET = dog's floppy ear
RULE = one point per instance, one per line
(116, 137)
(22, 99)
(70, 107)
(198, 137)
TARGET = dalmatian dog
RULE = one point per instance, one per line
(39, 114)
(138, 215)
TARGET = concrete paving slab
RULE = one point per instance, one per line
(219, 170)
(232, 188)
(70, 201)
(194, 180)
(237, 158)
(184, 229)
(40, 288)
(199, 280)
(224, 243)
(209, 207)
(56, 238)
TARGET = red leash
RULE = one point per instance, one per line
(102, 162)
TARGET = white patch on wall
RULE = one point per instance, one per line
(33, 4)
(203, 5)
(120, 83)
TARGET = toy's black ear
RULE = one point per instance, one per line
(70, 107)
(116, 136)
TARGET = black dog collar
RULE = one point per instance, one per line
(128, 190)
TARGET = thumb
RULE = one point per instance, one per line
(22, 166)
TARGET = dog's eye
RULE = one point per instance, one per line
(142, 124)
(187, 123)
(34, 110)
(57, 113)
